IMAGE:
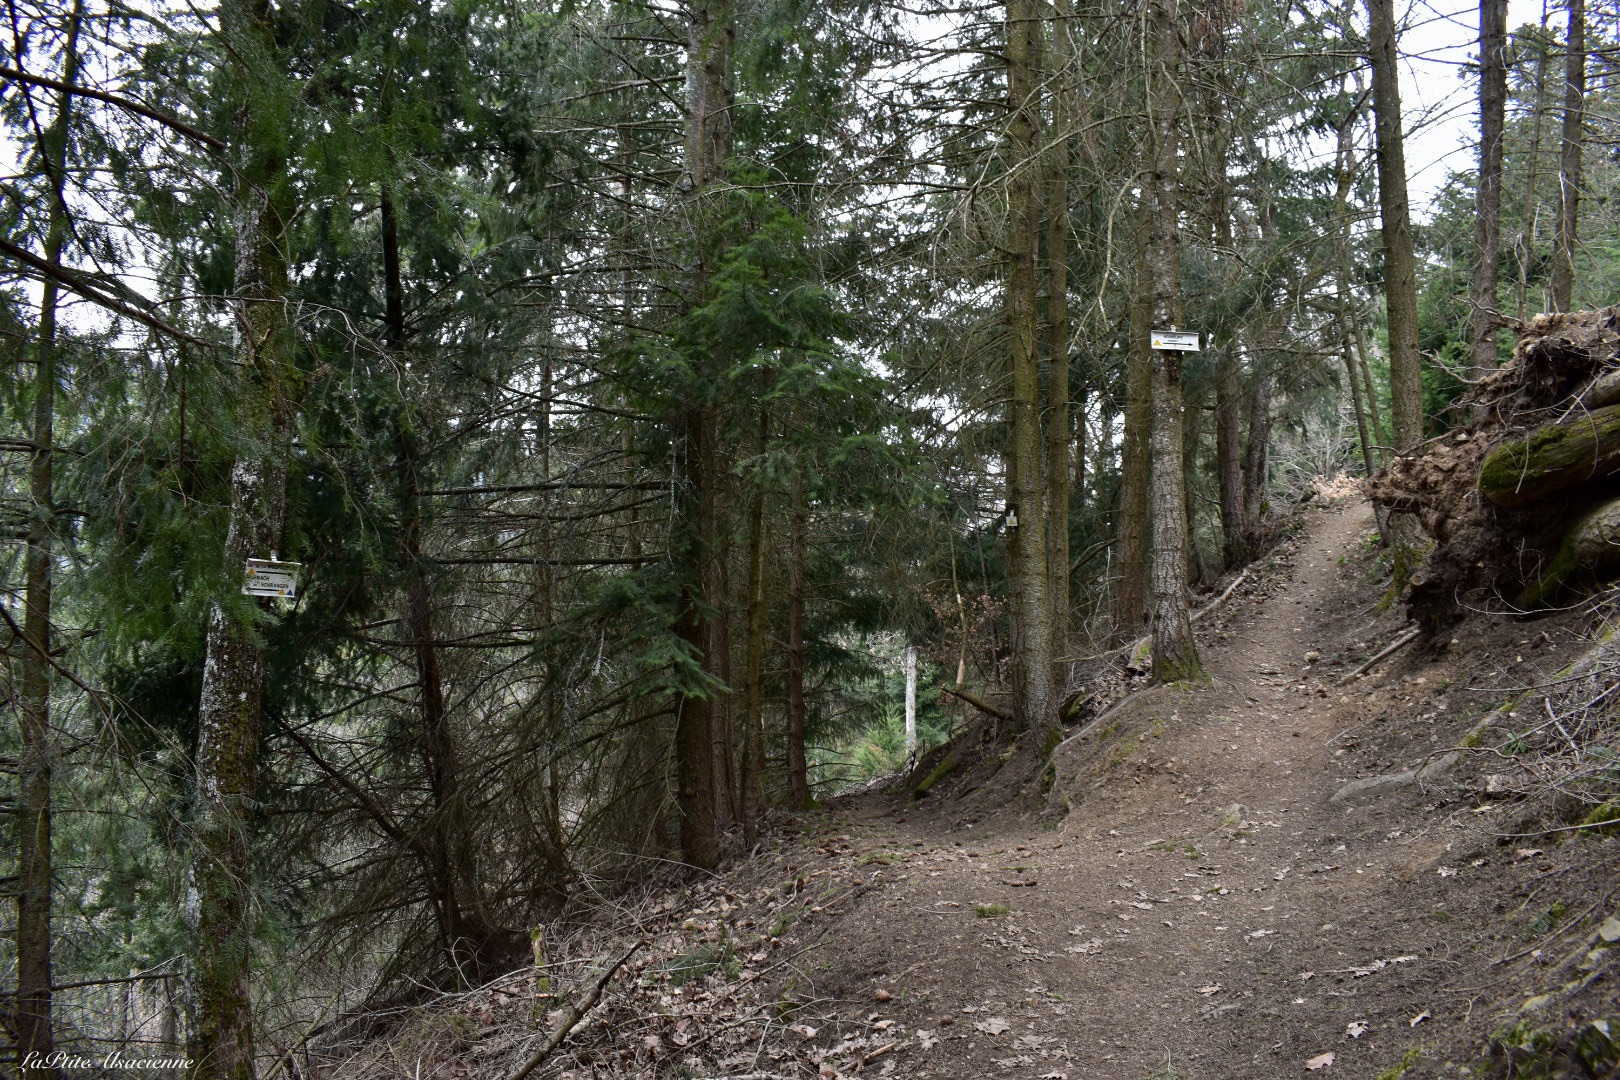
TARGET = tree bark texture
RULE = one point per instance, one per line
(220, 898)
(1027, 555)
(1484, 318)
(1569, 159)
(1400, 267)
(31, 1022)
(1175, 654)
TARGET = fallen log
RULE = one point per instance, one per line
(1554, 459)
(1591, 547)
(978, 703)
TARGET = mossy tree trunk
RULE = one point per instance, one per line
(221, 896)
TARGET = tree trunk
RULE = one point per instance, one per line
(1027, 543)
(707, 142)
(798, 771)
(1130, 590)
(1484, 318)
(1175, 654)
(220, 897)
(31, 1022)
(1059, 470)
(1569, 159)
(1400, 268)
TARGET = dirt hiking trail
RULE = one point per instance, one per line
(1205, 908)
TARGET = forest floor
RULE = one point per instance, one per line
(1195, 903)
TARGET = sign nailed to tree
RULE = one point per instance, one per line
(267, 577)
(1175, 341)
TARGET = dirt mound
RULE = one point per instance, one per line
(1524, 503)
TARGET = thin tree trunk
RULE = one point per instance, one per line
(1569, 160)
(798, 771)
(32, 1021)
(1059, 471)
(1532, 204)
(1027, 543)
(1229, 458)
(1354, 379)
(753, 764)
(1345, 171)
(450, 870)
(911, 701)
(1175, 653)
(1380, 430)
(220, 900)
(1257, 452)
(1484, 318)
(1130, 590)
(723, 705)
(1400, 267)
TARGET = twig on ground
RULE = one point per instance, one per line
(574, 1016)
(1394, 646)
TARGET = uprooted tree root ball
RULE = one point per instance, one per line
(1523, 504)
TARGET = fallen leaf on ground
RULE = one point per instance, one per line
(1320, 1061)
(927, 1039)
(1356, 1029)
(993, 1026)
(1212, 988)
(1260, 933)
(1419, 1018)
(1528, 852)
(1448, 871)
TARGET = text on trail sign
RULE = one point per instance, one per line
(266, 577)
(1175, 340)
